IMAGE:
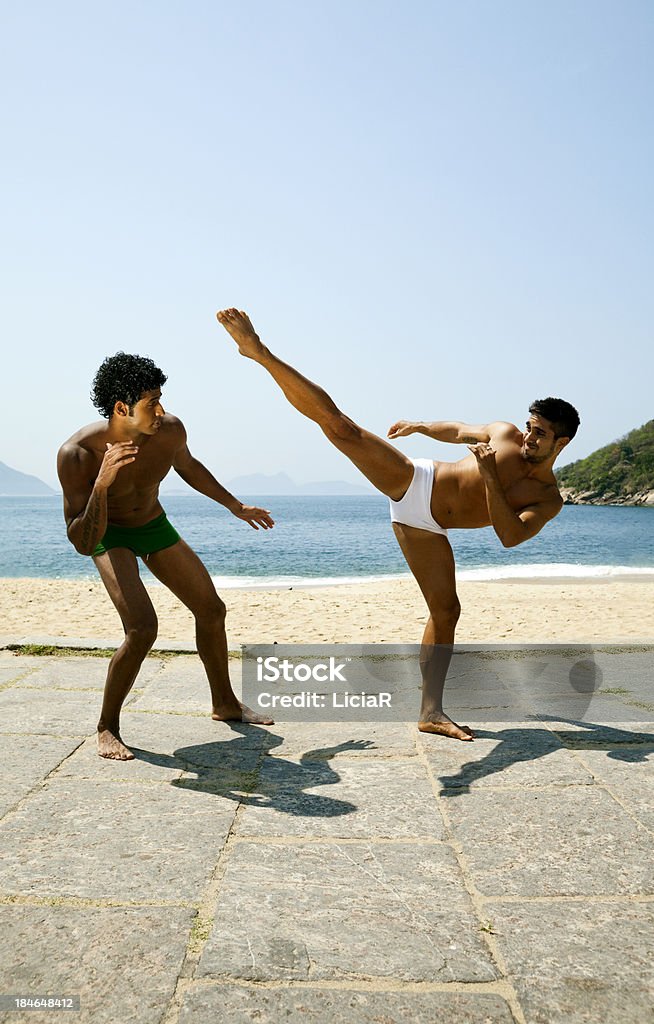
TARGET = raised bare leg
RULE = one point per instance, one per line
(179, 568)
(119, 572)
(388, 469)
(430, 558)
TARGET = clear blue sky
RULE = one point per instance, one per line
(436, 210)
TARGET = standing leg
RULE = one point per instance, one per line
(430, 558)
(388, 469)
(119, 572)
(179, 568)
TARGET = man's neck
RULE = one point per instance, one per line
(543, 471)
(116, 433)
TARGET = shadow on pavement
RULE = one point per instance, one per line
(236, 771)
(518, 745)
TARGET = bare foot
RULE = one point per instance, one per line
(446, 727)
(237, 323)
(240, 713)
(113, 747)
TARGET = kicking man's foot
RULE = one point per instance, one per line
(239, 713)
(111, 746)
(237, 323)
(444, 726)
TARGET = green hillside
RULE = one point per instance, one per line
(623, 468)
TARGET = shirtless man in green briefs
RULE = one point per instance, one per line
(110, 473)
(506, 482)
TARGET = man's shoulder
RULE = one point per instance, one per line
(172, 422)
(84, 443)
(502, 428)
(172, 432)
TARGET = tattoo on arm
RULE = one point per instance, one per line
(92, 519)
(469, 439)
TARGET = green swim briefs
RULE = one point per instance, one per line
(142, 540)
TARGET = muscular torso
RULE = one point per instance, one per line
(133, 498)
(459, 496)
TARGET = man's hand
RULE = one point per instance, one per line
(116, 456)
(252, 515)
(401, 429)
(485, 456)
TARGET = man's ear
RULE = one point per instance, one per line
(561, 442)
(120, 409)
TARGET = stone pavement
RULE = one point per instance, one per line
(320, 872)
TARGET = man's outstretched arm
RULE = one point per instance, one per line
(450, 431)
(197, 476)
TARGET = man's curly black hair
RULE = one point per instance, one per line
(124, 378)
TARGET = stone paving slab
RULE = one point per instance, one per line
(629, 774)
(579, 684)
(522, 753)
(241, 1005)
(133, 841)
(82, 673)
(122, 962)
(87, 764)
(471, 708)
(574, 841)
(338, 869)
(165, 747)
(69, 713)
(14, 666)
(604, 735)
(607, 709)
(350, 911)
(574, 962)
(182, 686)
(380, 799)
(628, 668)
(26, 762)
(335, 740)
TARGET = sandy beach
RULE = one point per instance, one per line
(539, 611)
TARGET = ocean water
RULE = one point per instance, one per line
(336, 539)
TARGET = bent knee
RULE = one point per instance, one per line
(212, 611)
(448, 612)
(339, 427)
(142, 635)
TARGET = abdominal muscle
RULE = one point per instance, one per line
(458, 497)
(134, 508)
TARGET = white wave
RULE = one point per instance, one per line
(289, 582)
(551, 570)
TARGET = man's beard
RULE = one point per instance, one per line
(537, 459)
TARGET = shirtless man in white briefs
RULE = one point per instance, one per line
(507, 482)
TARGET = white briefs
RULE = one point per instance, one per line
(414, 509)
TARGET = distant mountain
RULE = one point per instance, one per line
(620, 473)
(16, 484)
(281, 483)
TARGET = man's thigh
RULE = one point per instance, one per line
(430, 559)
(387, 468)
(119, 571)
(179, 568)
